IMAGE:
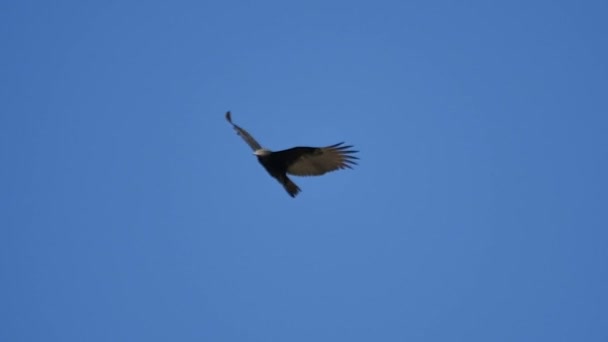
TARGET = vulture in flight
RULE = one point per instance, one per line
(298, 161)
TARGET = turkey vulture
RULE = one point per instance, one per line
(298, 161)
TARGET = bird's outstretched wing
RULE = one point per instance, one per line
(244, 134)
(315, 161)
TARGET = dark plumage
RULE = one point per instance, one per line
(298, 161)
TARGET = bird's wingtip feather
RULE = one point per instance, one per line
(229, 116)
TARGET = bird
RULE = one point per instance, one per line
(300, 160)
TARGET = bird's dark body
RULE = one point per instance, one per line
(280, 160)
(275, 166)
(277, 163)
(299, 161)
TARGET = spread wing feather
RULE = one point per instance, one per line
(244, 134)
(315, 161)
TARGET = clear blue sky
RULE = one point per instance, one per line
(130, 210)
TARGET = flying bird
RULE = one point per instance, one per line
(298, 161)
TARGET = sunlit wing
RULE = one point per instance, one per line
(244, 134)
(308, 161)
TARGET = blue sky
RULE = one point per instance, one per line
(132, 212)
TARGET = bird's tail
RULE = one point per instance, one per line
(291, 187)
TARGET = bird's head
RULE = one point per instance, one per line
(262, 152)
